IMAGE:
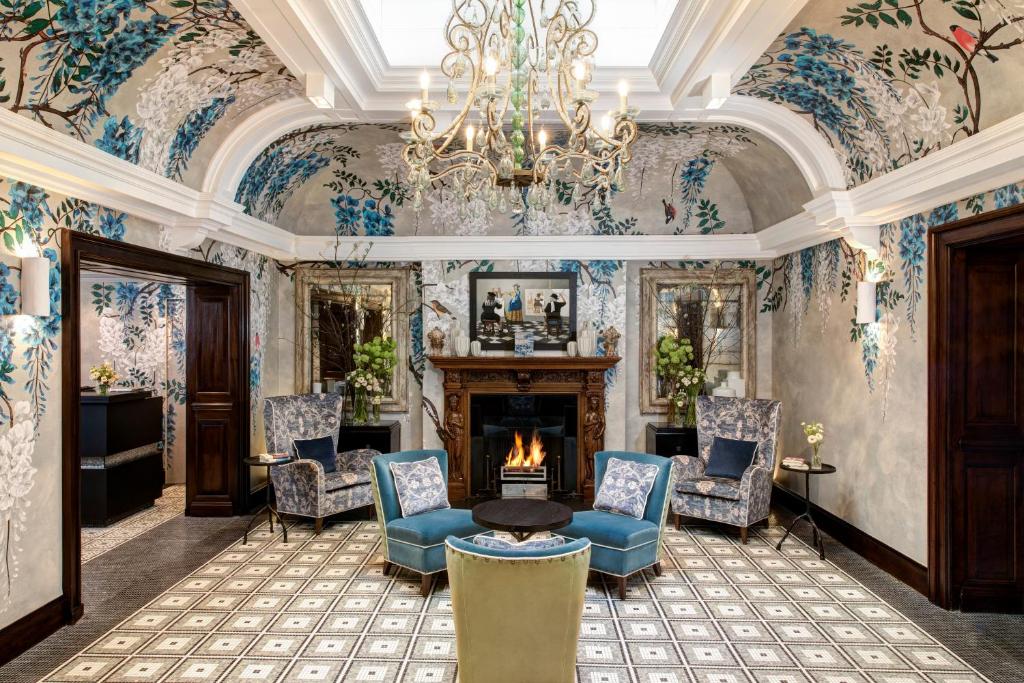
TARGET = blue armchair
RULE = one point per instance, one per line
(302, 487)
(417, 542)
(739, 503)
(529, 599)
(623, 545)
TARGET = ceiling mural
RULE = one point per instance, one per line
(155, 83)
(890, 81)
(350, 179)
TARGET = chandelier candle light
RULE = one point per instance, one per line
(519, 58)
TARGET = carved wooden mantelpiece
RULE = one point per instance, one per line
(465, 376)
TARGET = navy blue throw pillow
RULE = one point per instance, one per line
(321, 450)
(729, 458)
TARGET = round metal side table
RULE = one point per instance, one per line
(819, 543)
(271, 512)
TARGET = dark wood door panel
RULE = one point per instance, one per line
(991, 495)
(215, 378)
(212, 477)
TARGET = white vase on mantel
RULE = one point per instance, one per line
(461, 343)
(586, 342)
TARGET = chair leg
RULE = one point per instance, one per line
(743, 535)
(425, 582)
(657, 568)
(679, 521)
(318, 525)
(387, 567)
(622, 587)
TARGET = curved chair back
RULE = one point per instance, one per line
(385, 495)
(528, 602)
(302, 416)
(746, 419)
(657, 501)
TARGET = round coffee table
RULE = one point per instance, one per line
(522, 517)
(819, 543)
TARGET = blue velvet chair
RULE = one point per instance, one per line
(417, 542)
(742, 502)
(623, 545)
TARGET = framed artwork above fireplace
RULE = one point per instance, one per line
(543, 305)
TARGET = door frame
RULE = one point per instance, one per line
(78, 248)
(943, 243)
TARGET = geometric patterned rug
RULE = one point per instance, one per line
(98, 540)
(320, 609)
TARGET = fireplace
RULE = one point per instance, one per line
(523, 445)
(562, 399)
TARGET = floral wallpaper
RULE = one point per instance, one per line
(30, 370)
(350, 179)
(867, 383)
(140, 328)
(890, 81)
(145, 81)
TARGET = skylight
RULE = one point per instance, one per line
(410, 32)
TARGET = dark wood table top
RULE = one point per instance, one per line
(522, 515)
(824, 469)
(282, 459)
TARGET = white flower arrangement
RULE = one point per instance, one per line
(104, 374)
(815, 433)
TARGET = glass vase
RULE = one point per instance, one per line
(103, 389)
(690, 420)
(672, 416)
(360, 408)
(375, 415)
(816, 458)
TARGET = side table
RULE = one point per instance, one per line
(819, 543)
(522, 517)
(271, 512)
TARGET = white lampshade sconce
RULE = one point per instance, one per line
(867, 302)
(35, 286)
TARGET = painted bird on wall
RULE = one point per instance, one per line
(670, 211)
(969, 41)
(439, 308)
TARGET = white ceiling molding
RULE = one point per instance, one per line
(253, 135)
(33, 153)
(575, 247)
(319, 90)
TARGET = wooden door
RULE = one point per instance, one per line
(985, 444)
(217, 401)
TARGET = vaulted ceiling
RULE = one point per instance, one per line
(820, 97)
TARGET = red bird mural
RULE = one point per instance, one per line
(969, 41)
(670, 212)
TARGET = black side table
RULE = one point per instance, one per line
(271, 512)
(819, 543)
(669, 440)
(384, 436)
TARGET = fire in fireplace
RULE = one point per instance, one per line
(524, 473)
(523, 444)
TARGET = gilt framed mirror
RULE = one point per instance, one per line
(716, 309)
(338, 308)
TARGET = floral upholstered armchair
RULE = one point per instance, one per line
(740, 503)
(302, 487)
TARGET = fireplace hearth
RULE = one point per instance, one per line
(488, 399)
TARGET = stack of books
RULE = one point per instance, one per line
(796, 463)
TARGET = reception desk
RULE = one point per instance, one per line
(121, 451)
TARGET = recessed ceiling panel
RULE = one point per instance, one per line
(411, 32)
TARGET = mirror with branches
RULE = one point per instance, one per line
(715, 309)
(338, 308)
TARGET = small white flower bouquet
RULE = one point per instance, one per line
(104, 375)
(815, 433)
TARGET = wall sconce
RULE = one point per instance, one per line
(35, 286)
(867, 303)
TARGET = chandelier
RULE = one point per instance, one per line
(518, 59)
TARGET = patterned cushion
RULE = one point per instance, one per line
(625, 487)
(716, 487)
(344, 478)
(420, 486)
(496, 543)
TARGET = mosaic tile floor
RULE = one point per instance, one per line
(319, 609)
(98, 540)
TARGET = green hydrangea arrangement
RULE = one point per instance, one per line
(378, 357)
(672, 356)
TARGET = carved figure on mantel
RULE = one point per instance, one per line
(611, 341)
(454, 428)
(436, 339)
(593, 433)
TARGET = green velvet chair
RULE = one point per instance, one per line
(624, 545)
(416, 542)
(517, 612)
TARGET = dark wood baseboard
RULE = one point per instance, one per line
(884, 557)
(32, 628)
